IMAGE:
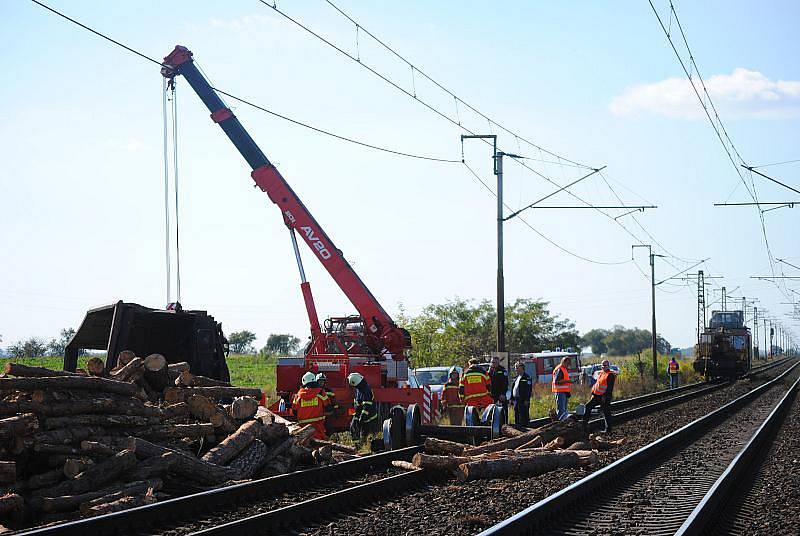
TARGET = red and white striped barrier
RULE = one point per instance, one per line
(427, 402)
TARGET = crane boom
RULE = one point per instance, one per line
(380, 329)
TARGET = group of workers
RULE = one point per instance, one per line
(482, 388)
(314, 403)
(478, 387)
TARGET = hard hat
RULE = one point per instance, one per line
(307, 378)
(354, 378)
(321, 377)
(452, 370)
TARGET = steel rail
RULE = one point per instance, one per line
(137, 519)
(725, 488)
(636, 400)
(319, 507)
(559, 504)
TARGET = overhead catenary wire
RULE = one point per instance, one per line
(250, 103)
(719, 127)
(532, 228)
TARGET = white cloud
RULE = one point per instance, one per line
(743, 93)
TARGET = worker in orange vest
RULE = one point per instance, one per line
(602, 393)
(451, 398)
(561, 387)
(310, 405)
(332, 407)
(475, 385)
(673, 369)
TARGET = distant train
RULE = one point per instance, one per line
(724, 350)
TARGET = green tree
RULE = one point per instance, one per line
(596, 339)
(241, 341)
(281, 344)
(459, 329)
(620, 340)
(32, 347)
(56, 346)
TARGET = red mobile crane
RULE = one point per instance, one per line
(369, 343)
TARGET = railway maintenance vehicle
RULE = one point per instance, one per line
(724, 350)
(369, 342)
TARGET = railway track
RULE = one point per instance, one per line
(674, 484)
(315, 494)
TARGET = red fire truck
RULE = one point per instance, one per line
(369, 343)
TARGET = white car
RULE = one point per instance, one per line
(434, 377)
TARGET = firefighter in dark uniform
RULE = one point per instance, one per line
(332, 409)
(498, 377)
(521, 395)
(365, 418)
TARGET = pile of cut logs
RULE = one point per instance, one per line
(518, 453)
(96, 441)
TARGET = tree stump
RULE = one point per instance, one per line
(156, 371)
(96, 367)
(243, 408)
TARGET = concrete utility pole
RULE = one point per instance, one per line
(497, 157)
(653, 303)
(755, 333)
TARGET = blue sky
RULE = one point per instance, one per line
(81, 209)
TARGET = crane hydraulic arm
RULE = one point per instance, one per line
(381, 333)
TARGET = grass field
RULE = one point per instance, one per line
(246, 370)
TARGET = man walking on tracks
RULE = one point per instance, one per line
(561, 388)
(451, 398)
(474, 386)
(521, 395)
(365, 418)
(673, 369)
(310, 405)
(602, 392)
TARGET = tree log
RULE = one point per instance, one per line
(154, 466)
(19, 425)
(186, 464)
(273, 433)
(180, 394)
(71, 382)
(10, 503)
(124, 357)
(203, 408)
(46, 448)
(27, 371)
(100, 420)
(96, 367)
(400, 464)
(442, 446)
(234, 443)
(243, 408)
(130, 372)
(66, 503)
(39, 481)
(93, 477)
(524, 465)
(439, 463)
(117, 502)
(74, 466)
(187, 379)
(171, 431)
(580, 445)
(303, 435)
(181, 409)
(67, 436)
(334, 446)
(98, 449)
(8, 472)
(251, 460)
(102, 404)
(156, 371)
(509, 431)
